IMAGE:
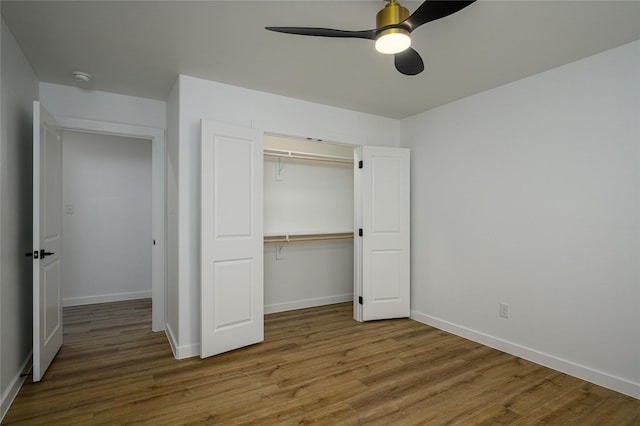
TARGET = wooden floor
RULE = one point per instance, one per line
(316, 365)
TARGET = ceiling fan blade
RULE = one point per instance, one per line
(325, 32)
(431, 10)
(409, 62)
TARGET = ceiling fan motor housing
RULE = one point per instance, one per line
(392, 13)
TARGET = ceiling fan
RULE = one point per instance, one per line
(393, 29)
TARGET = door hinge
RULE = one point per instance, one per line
(360, 300)
(360, 232)
(360, 164)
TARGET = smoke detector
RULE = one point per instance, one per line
(81, 77)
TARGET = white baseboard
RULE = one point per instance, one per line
(617, 384)
(307, 303)
(103, 298)
(180, 352)
(9, 394)
(171, 338)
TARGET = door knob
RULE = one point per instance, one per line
(44, 253)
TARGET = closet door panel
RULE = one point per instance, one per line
(233, 193)
(231, 247)
(385, 192)
(231, 289)
(385, 276)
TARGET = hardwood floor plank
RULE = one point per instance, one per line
(316, 365)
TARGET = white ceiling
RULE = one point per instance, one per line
(139, 48)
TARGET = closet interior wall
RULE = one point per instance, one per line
(314, 198)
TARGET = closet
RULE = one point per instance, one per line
(254, 211)
(308, 223)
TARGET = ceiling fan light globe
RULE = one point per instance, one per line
(392, 43)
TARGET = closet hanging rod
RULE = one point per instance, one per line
(310, 237)
(303, 156)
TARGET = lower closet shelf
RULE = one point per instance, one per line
(307, 237)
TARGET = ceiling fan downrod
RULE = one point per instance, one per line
(392, 13)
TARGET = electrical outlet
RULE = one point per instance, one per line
(504, 310)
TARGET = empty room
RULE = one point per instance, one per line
(331, 212)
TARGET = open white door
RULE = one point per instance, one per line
(384, 246)
(47, 234)
(232, 306)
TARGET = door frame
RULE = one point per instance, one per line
(158, 204)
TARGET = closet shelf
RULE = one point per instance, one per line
(307, 237)
(307, 156)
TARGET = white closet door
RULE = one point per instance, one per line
(385, 190)
(232, 238)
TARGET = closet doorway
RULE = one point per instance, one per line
(308, 223)
(107, 220)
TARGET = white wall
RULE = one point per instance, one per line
(312, 273)
(107, 220)
(200, 99)
(308, 197)
(74, 102)
(528, 195)
(19, 90)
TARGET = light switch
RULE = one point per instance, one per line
(68, 208)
